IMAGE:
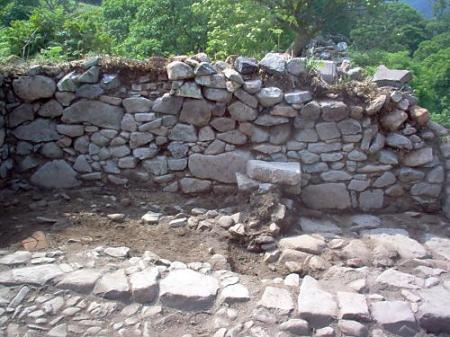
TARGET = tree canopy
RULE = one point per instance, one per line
(379, 31)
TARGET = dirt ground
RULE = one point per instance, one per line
(77, 219)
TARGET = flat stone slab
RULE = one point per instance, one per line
(274, 172)
(18, 257)
(81, 281)
(94, 112)
(35, 275)
(235, 293)
(385, 76)
(277, 298)
(222, 167)
(315, 305)
(185, 289)
(398, 279)
(398, 239)
(434, 311)
(352, 306)
(395, 316)
(113, 286)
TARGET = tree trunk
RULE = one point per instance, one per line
(301, 40)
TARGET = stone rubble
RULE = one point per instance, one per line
(113, 294)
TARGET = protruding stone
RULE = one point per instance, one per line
(221, 167)
(274, 172)
(387, 77)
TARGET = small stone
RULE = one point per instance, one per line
(352, 328)
(118, 252)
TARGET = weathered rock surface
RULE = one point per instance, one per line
(274, 172)
(315, 305)
(188, 290)
(222, 167)
(326, 196)
(55, 174)
(31, 88)
(94, 112)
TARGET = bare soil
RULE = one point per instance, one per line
(77, 220)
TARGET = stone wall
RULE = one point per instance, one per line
(5, 161)
(205, 126)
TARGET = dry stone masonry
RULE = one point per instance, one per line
(200, 126)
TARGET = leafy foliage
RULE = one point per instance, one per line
(229, 30)
(381, 32)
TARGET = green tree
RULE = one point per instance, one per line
(11, 10)
(118, 15)
(307, 18)
(240, 27)
(393, 28)
(164, 27)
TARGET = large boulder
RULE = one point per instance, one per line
(222, 167)
(275, 172)
(94, 112)
(39, 130)
(326, 196)
(31, 88)
(55, 174)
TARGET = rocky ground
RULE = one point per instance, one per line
(104, 262)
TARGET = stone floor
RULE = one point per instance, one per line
(342, 275)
